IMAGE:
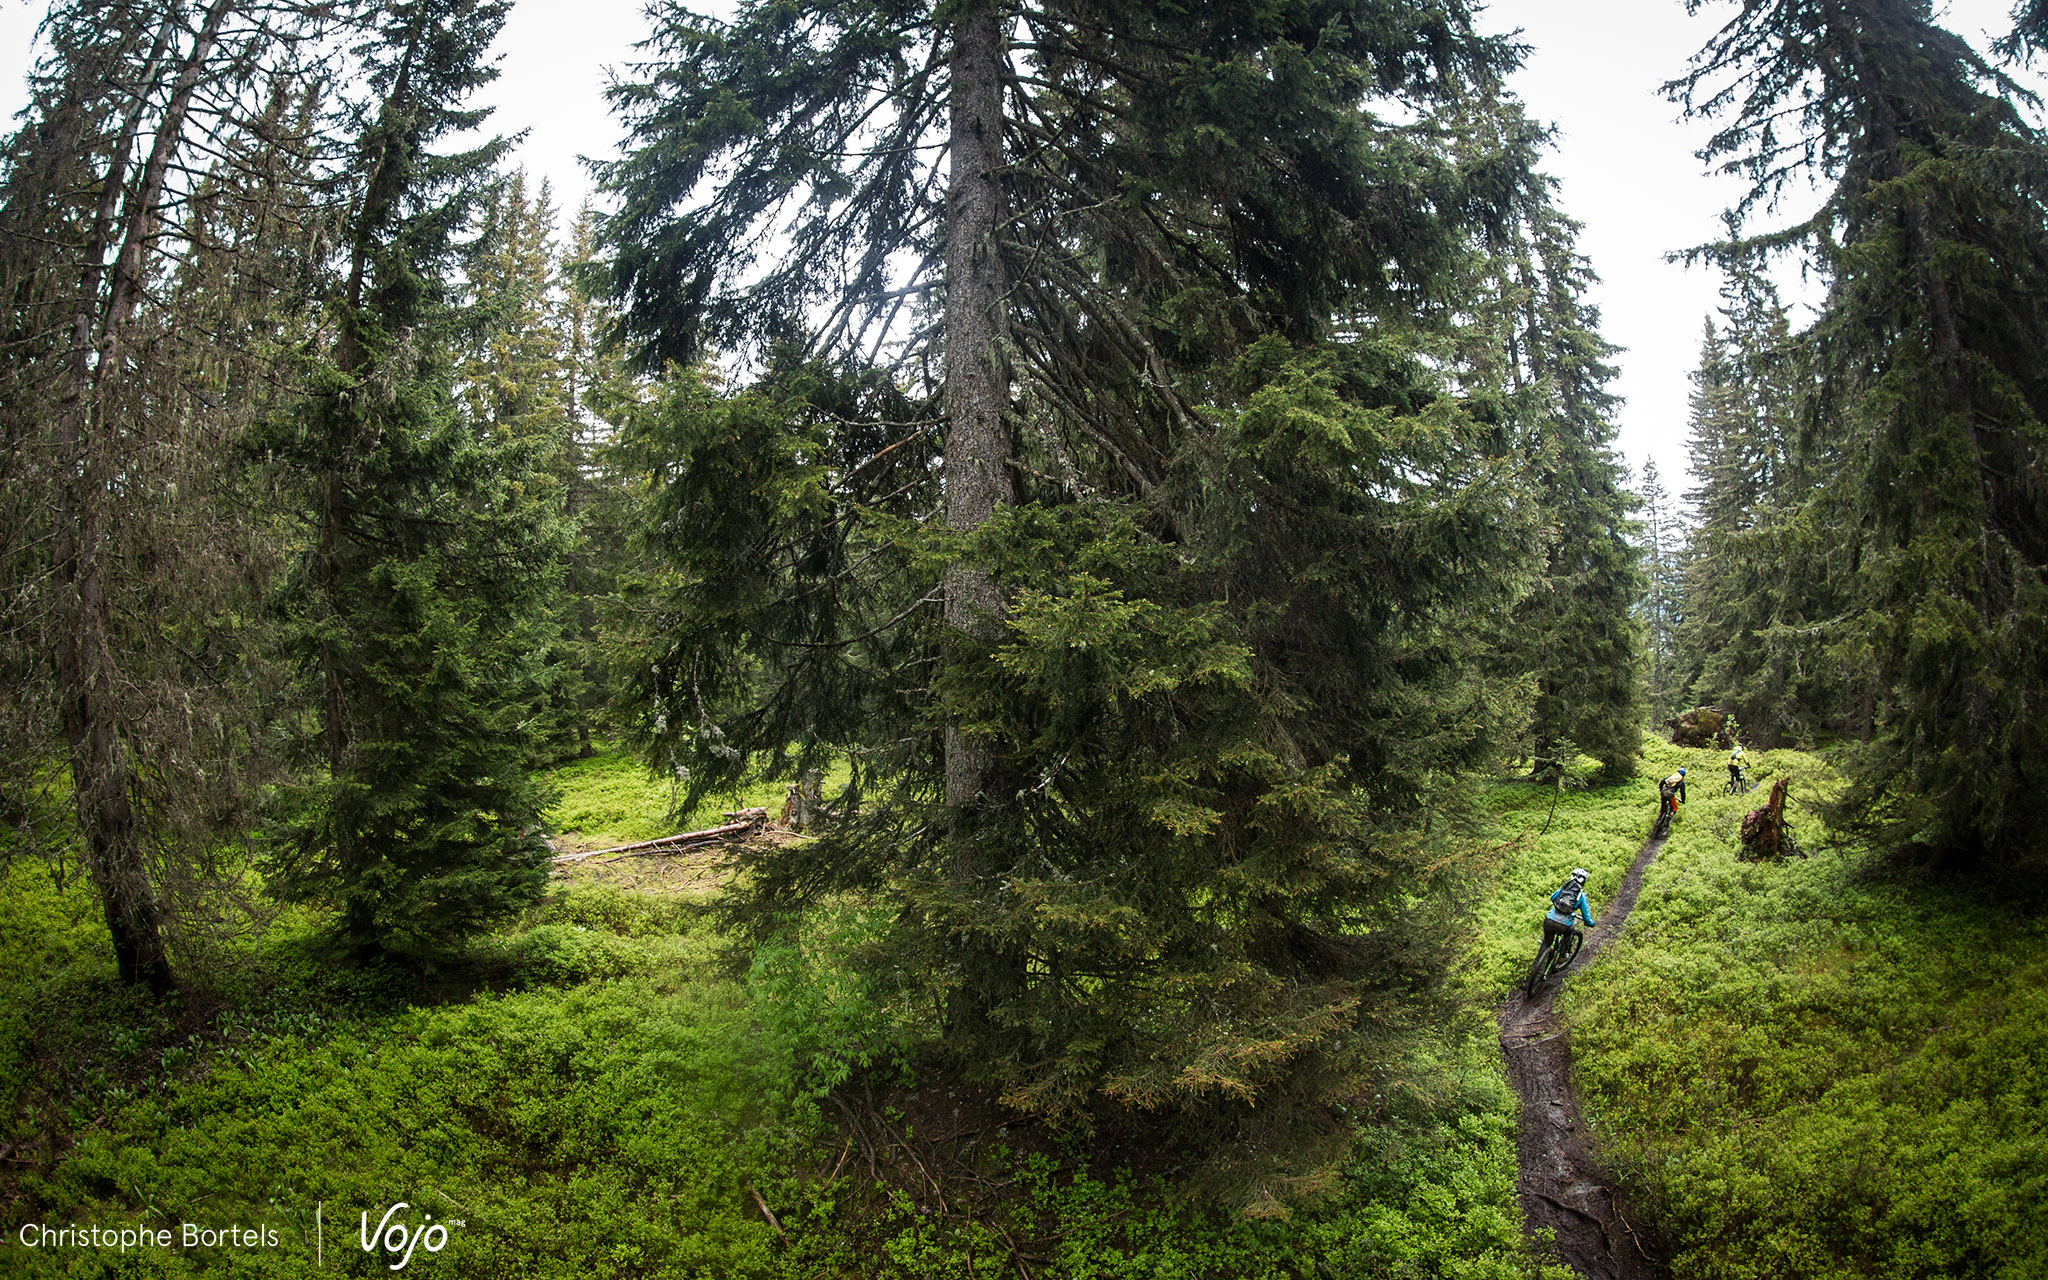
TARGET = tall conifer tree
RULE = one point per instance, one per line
(1764, 626)
(420, 608)
(519, 382)
(1930, 392)
(1576, 633)
(134, 193)
(1091, 491)
(600, 392)
(1664, 539)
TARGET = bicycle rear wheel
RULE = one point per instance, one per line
(1569, 951)
(1541, 969)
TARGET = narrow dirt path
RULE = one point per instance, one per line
(1561, 1181)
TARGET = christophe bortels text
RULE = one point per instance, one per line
(397, 1235)
(188, 1235)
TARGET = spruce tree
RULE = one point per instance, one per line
(514, 366)
(1664, 539)
(599, 392)
(1576, 633)
(1092, 493)
(141, 222)
(518, 383)
(418, 613)
(1760, 588)
(1928, 390)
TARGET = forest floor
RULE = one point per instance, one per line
(1561, 1181)
(695, 871)
(1813, 1068)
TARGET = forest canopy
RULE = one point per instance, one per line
(1157, 461)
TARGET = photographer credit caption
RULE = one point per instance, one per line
(397, 1235)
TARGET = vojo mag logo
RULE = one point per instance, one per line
(398, 1235)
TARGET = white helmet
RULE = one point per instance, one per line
(1580, 873)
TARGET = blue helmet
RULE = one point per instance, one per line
(1681, 771)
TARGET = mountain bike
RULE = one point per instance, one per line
(1738, 783)
(1667, 809)
(1553, 957)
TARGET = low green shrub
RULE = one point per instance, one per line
(614, 1128)
(1601, 830)
(612, 798)
(611, 910)
(557, 955)
(1805, 1072)
(624, 1125)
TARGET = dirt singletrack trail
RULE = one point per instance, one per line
(1561, 1181)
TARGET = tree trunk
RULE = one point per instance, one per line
(102, 773)
(977, 386)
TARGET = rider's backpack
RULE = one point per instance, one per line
(1566, 899)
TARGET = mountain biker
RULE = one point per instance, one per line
(1570, 897)
(1672, 789)
(1735, 768)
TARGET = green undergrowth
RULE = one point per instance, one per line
(612, 798)
(1552, 832)
(592, 1091)
(1799, 1071)
(1803, 1070)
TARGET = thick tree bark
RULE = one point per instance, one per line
(102, 772)
(977, 477)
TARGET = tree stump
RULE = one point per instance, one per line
(1765, 835)
(804, 806)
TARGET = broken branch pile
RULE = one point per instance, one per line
(738, 821)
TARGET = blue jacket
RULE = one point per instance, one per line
(1564, 917)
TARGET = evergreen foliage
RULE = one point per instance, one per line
(1928, 390)
(529, 372)
(1764, 590)
(599, 393)
(514, 368)
(1575, 633)
(1664, 533)
(1246, 552)
(418, 616)
(147, 212)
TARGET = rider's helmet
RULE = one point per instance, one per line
(1580, 874)
(1681, 771)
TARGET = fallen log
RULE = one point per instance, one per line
(663, 851)
(664, 844)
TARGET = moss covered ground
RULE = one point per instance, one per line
(1800, 1070)
(1804, 1069)
(591, 1092)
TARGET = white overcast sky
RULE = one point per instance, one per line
(1624, 162)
